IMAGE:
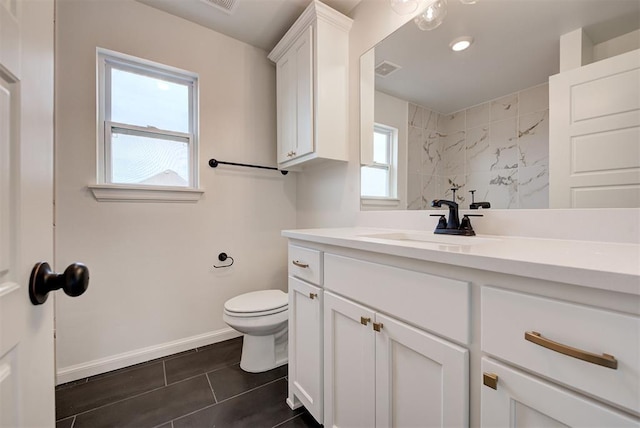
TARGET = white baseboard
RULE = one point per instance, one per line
(102, 365)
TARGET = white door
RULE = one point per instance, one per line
(521, 400)
(594, 131)
(421, 380)
(26, 211)
(349, 356)
(305, 346)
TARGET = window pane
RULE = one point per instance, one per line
(148, 101)
(374, 182)
(147, 160)
(381, 147)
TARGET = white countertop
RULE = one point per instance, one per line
(603, 265)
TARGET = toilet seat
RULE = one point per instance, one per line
(257, 303)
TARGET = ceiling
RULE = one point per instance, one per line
(260, 23)
(516, 47)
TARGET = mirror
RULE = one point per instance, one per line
(479, 119)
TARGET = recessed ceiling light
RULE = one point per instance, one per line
(461, 43)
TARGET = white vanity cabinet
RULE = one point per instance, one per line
(430, 335)
(312, 88)
(305, 330)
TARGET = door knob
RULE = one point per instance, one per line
(74, 281)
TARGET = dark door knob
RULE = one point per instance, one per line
(74, 281)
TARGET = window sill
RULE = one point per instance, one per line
(124, 193)
(379, 202)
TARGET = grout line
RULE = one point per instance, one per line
(287, 420)
(227, 399)
(74, 421)
(137, 395)
(164, 371)
(215, 399)
(171, 424)
(252, 389)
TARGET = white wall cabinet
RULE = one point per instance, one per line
(380, 372)
(312, 88)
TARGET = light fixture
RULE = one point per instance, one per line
(404, 7)
(461, 43)
(432, 16)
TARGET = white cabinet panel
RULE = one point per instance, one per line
(520, 400)
(421, 380)
(349, 357)
(305, 346)
(305, 263)
(438, 304)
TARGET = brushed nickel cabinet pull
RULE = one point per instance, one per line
(604, 360)
(490, 380)
(312, 296)
(365, 320)
(377, 326)
(300, 264)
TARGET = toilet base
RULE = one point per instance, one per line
(263, 353)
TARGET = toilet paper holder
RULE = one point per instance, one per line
(223, 257)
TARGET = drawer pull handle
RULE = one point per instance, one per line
(300, 264)
(490, 380)
(377, 326)
(365, 320)
(312, 296)
(604, 360)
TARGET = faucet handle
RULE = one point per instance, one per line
(442, 222)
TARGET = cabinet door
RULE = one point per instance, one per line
(303, 50)
(349, 353)
(286, 105)
(305, 346)
(521, 400)
(421, 380)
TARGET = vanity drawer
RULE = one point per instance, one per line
(585, 332)
(434, 303)
(306, 264)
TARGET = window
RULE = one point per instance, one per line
(147, 123)
(378, 180)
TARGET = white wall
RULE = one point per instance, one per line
(329, 196)
(153, 290)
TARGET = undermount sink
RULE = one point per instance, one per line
(430, 238)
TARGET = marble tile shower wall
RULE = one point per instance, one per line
(499, 148)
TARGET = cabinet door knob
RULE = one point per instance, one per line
(490, 380)
(312, 296)
(300, 264)
(377, 326)
(365, 320)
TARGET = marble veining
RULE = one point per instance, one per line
(499, 148)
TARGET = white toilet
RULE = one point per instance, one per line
(263, 318)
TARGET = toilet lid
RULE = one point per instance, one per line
(257, 301)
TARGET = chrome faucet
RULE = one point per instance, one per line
(453, 226)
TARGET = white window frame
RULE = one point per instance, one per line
(105, 189)
(391, 167)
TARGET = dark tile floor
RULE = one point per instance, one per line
(203, 387)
